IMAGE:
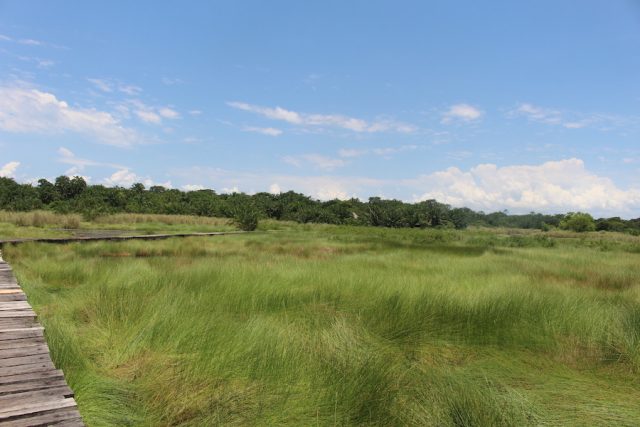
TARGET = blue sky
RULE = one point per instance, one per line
(491, 105)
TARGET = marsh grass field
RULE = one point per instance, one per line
(336, 325)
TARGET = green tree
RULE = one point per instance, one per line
(578, 222)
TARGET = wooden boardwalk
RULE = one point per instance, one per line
(114, 238)
(32, 391)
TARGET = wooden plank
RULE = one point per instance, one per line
(11, 291)
(12, 334)
(17, 323)
(43, 395)
(32, 376)
(68, 417)
(26, 369)
(27, 408)
(17, 343)
(17, 313)
(41, 384)
(17, 296)
(14, 305)
(24, 350)
(24, 360)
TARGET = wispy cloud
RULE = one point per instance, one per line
(9, 169)
(172, 81)
(31, 42)
(380, 151)
(168, 113)
(25, 110)
(148, 116)
(110, 85)
(569, 119)
(79, 164)
(325, 120)
(264, 131)
(316, 161)
(461, 113)
(148, 113)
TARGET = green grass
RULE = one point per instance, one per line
(323, 325)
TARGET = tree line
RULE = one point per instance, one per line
(74, 195)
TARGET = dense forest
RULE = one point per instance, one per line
(74, 195)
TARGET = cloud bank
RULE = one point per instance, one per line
(34, 111)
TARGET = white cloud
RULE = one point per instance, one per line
(556, 186)
(110, 85)
(461, 112)
(192, 187)
(569, 120)
(45, 63)
(79, 164)
(195, 112)
(317, 161)
(264, 131)
(231, 190)
(122, 178)
(171, 81)
(148, 116)
(381, 151)
(131, 90)
(5, 38)
(275, 188)
(32, 111)
(168, 113)
(8, 170)
(325, 120)
(101, 84)
(30, 42)
(351, 152)
(126, 178)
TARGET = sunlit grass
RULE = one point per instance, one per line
(344, 326)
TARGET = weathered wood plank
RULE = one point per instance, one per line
(21, 342)
(12, 334)
(17, 296)
(31, 376)
(24, 360)
(18, 323)
(14, 305)
(17, 313)
(27, 408)
(42, 395)
(25, 369)
(59, 417)
(44, 383)
(24, 350)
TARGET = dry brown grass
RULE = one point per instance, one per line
(41, 219)
(129, 218)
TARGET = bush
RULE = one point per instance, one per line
(246, 218)
(578, 222)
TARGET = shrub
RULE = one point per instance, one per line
(578, 222)
(246, 218)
